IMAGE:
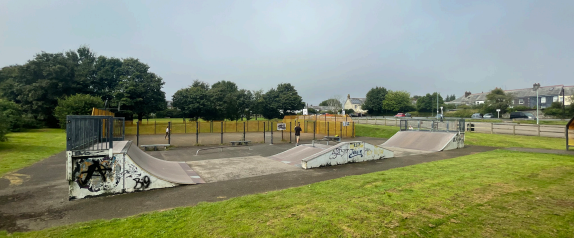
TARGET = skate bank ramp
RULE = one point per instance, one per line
(426, 140)
(308, 156)
(129, 169)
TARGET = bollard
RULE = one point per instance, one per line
(271, 126)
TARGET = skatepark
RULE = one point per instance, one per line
(36, 197)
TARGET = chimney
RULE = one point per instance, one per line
(348, 96)
(467, 93)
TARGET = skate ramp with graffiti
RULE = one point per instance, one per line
(426, 141)
(126, 170)
(295, 155)
(313, 156)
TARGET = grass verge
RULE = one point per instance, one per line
(377, 131)
(26, 148)
(493, 194)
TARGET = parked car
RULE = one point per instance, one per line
(487, 116)
(400, 115)
(522, 115)
(408, 115)
(476, 116)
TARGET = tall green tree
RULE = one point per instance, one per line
(374, 102)
(139, 90)
(78, 104)
(106, 78)
(289, 99)
(428, 102)
(397, 101)
(271, 104)
(497, 99)
(192, 101)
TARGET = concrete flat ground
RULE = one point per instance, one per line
(36, 197)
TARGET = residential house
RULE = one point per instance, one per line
(523, 97)
(355, 104)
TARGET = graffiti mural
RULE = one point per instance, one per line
(347, 152)
(98, 173)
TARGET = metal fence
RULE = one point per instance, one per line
(432, 125)
(93, 132)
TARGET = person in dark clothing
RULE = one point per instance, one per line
(297, 133)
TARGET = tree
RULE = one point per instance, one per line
(311, 111)
(289, 99)
(192, 101)
(79, 104)
(497, 99)
(271, 104)
(331, 102)
(428, 102)
(107, 75)
(11, 117)
(374, 102)
(397, 101)
(258, 103)
(140, 90)
(349, 111)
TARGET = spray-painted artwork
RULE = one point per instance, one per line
(346, 152)
(98, 173)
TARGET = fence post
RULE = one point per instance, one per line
(513, 129)
(395, 122)
(154, 127)
(341, 130)
(138, 134)
(491, 128)
(327, 129)
(290, 132)
(538, 130)
(221, 132)
(375, 121)
(184, 126)
(169, 132)
(263, 131)
(314, 129)
(197, 132)
(243, 130)
(353, 129)
(271, 126)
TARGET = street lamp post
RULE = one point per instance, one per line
(536, 87)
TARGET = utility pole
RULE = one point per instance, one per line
(536, 86)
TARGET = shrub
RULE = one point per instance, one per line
(11, 114)
(463, 113)
(79, 104)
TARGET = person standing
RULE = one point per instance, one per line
(297, 133)
(166, 132)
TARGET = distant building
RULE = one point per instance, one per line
(355, 104)
(523, 97)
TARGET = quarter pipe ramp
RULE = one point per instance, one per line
(129, 169)
(426, 141)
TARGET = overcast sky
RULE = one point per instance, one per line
(323, 48)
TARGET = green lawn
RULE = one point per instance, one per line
(493, 140)
(26, 148)
(493, 194)
(377, 131)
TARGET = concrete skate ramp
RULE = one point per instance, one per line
(426, 141)
(296, 154)
(174, 172)
(307, 156)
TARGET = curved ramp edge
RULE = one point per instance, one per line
(173, 172)
(346, 152)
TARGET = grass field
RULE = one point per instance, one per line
(493, 140)
(493, 194)
(25, 148)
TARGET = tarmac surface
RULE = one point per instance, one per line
(36, 197)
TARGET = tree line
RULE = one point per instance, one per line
(42, 91)
(223, 100)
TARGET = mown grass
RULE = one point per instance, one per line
(26, 148)
(472, 138)
(507, 141)
(493, 194)
(377, 131)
